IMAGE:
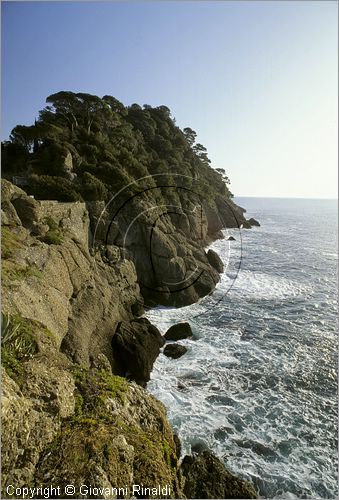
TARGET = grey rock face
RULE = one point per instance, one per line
(32, 413)
(167, 248)
(9, 216)
(77, 296)
(18, 206)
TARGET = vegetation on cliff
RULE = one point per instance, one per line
(75, 279)
(83, 147)
(148, 186)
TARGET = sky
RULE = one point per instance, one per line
(257, 81)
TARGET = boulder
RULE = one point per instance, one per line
(27, 209)
(137, 309)
(136, 345)
(231, 238)
(175, 351)
(9, 217)
(39, 229)
(253, 222)
(179, 332)
(206, 282)
(9, 191)
(207, 477)
(215, 261)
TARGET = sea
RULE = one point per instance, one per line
(258, 384)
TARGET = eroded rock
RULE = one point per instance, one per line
(215, 260)
(179, 331)
(175, 351)
(207, 477)
(136, 345)
(253, 222)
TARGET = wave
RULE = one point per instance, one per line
(258, 384)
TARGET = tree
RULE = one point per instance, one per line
(114, 144)
(222, 172)
(93, 189)
(115, 105)
(92, 108)
(14, 158)
(23, 135)
(201, 152)
(190, 135)
(141, 120)
(65, 104)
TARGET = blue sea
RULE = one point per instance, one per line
(258, 384)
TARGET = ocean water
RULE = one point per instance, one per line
(258, 384)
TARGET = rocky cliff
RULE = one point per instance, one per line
(166, 242)
(76, 354)
(147, 185)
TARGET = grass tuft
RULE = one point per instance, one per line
(17, 343)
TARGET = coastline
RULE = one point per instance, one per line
(68, 384)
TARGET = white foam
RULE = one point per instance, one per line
(258, 285)
(250, 386)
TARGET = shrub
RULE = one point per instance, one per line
(93, 189)
(45, 187)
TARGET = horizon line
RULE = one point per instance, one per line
(284, 197)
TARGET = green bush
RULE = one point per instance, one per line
(92, 188)
(45, 187)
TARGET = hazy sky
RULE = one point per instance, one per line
(256, 80)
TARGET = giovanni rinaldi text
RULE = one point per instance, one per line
(52, 491)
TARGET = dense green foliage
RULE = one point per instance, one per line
(84, 147)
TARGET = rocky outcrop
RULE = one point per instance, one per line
(76, 295)
(175, 351)
(71, 330)
(207, 477)
(118, 437)
(62, 423)
(253, 222)
(179, 331)
(166, 246)
(215, 260)
(136, 345)
(37, 395)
